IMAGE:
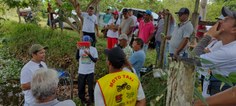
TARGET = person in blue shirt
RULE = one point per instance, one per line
(137, 59)
(107, 16)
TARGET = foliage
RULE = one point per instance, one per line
(154, 88)
(231, 4)
(146, 4)
(10, 67)
(18, 45)
(214, 10)
(19, 3)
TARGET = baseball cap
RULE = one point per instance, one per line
(115, 12)
(183, 11)
(226, 12)
(125, 10)
(123, 36)
(116, 56)
(35, 48)
(87, 38)
(148, 12)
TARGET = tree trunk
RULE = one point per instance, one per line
(203, 9)
(180, 84)
(18, 12)
(194, 21)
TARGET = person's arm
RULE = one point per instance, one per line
(77, 55)
(25, 78)
(199, 49)
(224, 98)
(168, 37)
(96, 26)
(98, 98)
(119, 30)
(25, 86)
(202, 44)
(183, 43)
(130, 27)
(141, 101)
(151, 34)
(94, 59)
(133, 59)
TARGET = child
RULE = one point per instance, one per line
(87, 57)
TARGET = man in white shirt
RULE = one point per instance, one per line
(130, 12)
(223, 59)
(37, 53)
(180, 36)
(87, 57)
(90, 22)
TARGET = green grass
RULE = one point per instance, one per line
(62, 49)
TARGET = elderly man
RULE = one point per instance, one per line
(44, 86)
(123, 39)
(118, 88)
(223, 58)
(37, 53)
(180, 36)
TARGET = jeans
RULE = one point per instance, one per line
(145, 48)
(215, 84)
(82, 80)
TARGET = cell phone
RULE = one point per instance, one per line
(218, 27)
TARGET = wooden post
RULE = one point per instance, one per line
(163, 41)
(203, 9)
(180, 84)
(194, 21)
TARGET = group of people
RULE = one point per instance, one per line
(122, 85)
(55, 17)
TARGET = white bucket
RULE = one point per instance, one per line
(157, 73)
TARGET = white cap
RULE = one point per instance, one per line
(123, 36)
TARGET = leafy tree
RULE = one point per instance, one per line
(231, 4)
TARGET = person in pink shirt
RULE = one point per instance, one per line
(146, 29)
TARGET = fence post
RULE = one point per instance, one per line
(180, 84)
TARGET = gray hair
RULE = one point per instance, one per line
(44, 83)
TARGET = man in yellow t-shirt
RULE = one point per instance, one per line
(118, 88)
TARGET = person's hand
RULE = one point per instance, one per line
(198, 103)
(207, 50)
(176, 55)
(167, 37)
(78, 47)
(215, 30)
(86, 52)
(98, 35)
